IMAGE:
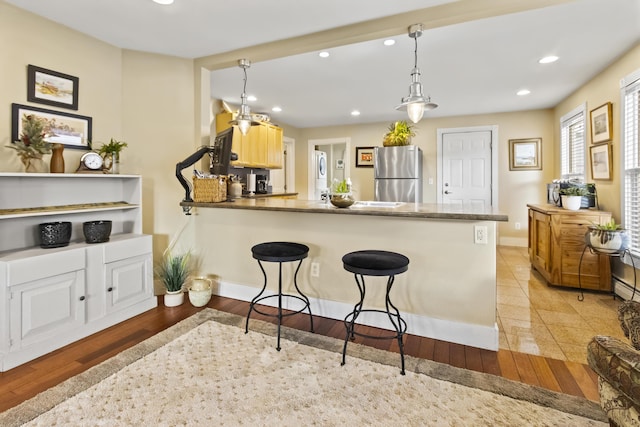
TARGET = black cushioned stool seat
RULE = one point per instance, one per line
(375, 263)
(279, 252)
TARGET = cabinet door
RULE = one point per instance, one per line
(274, 147)
(128, 281)
(540, 242)
(47, 308)
(257, 140)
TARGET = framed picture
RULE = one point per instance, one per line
(72, 130)
(525, 154)
(601, 124)
(364, 157)
(52, 88)
(601, 161)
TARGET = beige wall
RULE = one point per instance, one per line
(605, 87)
(515, 188)
(144, 99)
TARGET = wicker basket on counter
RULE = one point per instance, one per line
(210, 190)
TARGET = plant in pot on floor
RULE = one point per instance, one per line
(174, 270)
(607, 238)
(572, 197)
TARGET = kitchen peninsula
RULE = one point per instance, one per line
(448, 293)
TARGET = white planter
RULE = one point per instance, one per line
(608, 241)
(572, 203)
(174, 299)
(200, 291)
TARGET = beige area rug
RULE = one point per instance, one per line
(206, 371)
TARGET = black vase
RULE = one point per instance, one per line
(54, 234)
(96, 231)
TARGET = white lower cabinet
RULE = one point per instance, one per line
(44, 309)
(52, 297)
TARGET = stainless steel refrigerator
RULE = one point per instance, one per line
(398, 174)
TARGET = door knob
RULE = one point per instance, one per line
(448, 192)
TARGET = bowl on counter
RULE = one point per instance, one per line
(96, 231)
(341, 200)
(54, 234)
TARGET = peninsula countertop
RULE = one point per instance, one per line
(406, 210)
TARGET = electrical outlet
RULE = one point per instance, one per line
(315, 269)
(517, 226)
(480, 234)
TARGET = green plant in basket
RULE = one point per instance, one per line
(340, 187)
(399, 133)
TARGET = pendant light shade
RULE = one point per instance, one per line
(416, 103)
(244, 119)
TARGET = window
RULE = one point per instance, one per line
(630, 94)
(572, 144)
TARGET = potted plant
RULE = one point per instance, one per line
(399, 133)
(341, 196)
(608, 237)
(572, 197)
(111, 154)
(174, 270)
(32, 144)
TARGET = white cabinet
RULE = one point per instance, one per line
(52, 297)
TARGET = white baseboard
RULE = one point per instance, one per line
(445, 330)
(624, 291)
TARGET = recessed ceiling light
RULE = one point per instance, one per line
(523, 92)
(355, 113)
(548, 59)
(276, 109)
(163, 1)
(252, 98)
(324, 54)
(389, 42)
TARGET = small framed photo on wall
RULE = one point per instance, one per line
(601, 124)
(601, 161)
(52, 88)
(364, 157)
(525, 154)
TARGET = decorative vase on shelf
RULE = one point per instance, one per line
(34, 165)
(57, 159)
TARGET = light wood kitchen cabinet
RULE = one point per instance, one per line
(261, 147)
(556, 243)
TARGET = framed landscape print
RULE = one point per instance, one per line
(52, 88)
(601, 124)
(525, 154)
(601, 161)
(71, 130)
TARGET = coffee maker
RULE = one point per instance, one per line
(261, 184)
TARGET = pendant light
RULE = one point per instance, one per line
(244, 119)
(416, 103)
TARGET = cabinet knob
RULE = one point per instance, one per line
(82, 298)
(110, 288)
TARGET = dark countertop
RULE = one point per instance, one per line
(406, 210)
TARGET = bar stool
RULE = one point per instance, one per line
(375, 263)
(279, 252)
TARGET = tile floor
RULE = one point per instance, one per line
(535, 318)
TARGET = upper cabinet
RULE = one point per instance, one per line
(261, 147)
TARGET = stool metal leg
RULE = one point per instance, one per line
(279, 303)
(399, 325)
(350, 325)
(306, 300)
(256, 298)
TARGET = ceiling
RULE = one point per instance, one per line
(473, 66)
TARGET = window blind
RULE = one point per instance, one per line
(630, 91)
(572, 144)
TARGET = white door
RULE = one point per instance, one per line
(467, 161)
(283, 180)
